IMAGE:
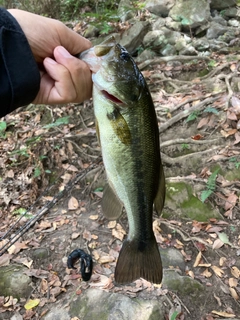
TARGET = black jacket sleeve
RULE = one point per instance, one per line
(19, 73)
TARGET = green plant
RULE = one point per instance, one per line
(211, 185)
(193, 116)
(212, 63)
(3, 127)
(58, 122)
(185, 146)
(211, 110)
(235, 161)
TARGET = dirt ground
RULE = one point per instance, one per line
(199, 121)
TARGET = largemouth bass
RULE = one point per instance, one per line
(128, 134)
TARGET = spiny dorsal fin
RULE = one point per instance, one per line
(112, 207)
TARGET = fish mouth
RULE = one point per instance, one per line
(110, 97)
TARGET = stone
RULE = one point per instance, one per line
(146, 55)
(180, 199)
(168, 50)
(222, 4)
(132, 38)
(14, 282)
(171, 257)
(215, 30)
(91, 31)
(125, 10)
(201, 44)
(191, 13)
(159, 7)
(158, 24)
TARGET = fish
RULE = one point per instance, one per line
(127, 130)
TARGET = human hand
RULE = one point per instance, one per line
(65, 78)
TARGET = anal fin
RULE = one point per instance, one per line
(112, 207)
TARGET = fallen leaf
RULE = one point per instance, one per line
(222, 260)
(234, 293)
(206, 273)
(106, 259)
(94, 217)
(118, 232)
(224, 314)
(219, 272)
(9, 301)
(232, 282)
(235, 272)
(112, 224)
(73, 203)
(31, 304)
(75, 235)
(198, 259)
(217, 244)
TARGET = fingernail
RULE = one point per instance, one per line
(49, 60)
(63, 52)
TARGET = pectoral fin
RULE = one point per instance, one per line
(112, 207)
(160, 196)
(120, 126)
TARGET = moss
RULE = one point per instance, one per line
(182, 201)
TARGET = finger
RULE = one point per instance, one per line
(80, 73)
(72, 41)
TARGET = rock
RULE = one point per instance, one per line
(125, 10)
(146, 55)
(180, 199)
(168, 50)
(158, 24)
(132, 38)
(13, 281)
(222, 4)
(189, 50)
(159, 7)
(98, 304)
(191, 13)
(233, 23)
(40, 253)
(201, 44)
(91, 31)
(231, 13)
(158, 39)
(183, 285)
(215, 30)
(174, 25)
(171, 257)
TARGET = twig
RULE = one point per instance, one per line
(185, 113)
(170, 160)
(186, 141)
(171, 58)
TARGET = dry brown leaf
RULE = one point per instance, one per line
(73, 204)
(206, 273)
(231, 201)
(118, 232)
(237, 135)
(75, 235)
(206, 265)
(234, 293)
(224, 314)
(87, 235)
(191, 274)
(217, 244)
(198, 259)
(112, 224)
(222, 260)
(106, 259)
(232, 282)
(235, 272)
(219, 272)
(94, 217)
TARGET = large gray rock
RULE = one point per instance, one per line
(132, 38)
(191, 13)
(159, 7)
(158, 39)
(216, 30)
(222, 4)
(98, 304)
(13, 281)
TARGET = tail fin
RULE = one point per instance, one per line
(134, 262)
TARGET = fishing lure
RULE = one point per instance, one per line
(86, 263)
